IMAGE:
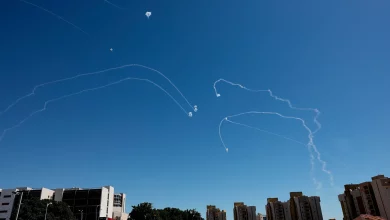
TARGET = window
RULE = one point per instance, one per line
(3, 211)
(5, 203)
(7, 196)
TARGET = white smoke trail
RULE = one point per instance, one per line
(310, 144)
(116, 6)
(273, 96)
(83, 91)
(268, 132)
(94, 73)
(54, 14)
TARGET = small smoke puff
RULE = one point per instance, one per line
(190, 114)
(218, 95)
(148, 14)
(227, 150)
(195, 108)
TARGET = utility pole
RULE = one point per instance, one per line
(20, 203)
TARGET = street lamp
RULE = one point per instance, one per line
(46, 209)
(81, 214)
(97, 213)
(20, 202)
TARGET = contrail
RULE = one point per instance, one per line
(94, 73)
(310, 144)
(268, 132)
(273, 96)
(116, 6)
(87, 90)
(54, 14)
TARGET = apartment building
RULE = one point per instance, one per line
(274, 209)
(298, 207)
(244, 212)
(214, 213)
(371, 198)
(381, 187)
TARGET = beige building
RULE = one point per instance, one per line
(244, 212)
(370, 198)
(214, 213)
(298, 207)
(381, 187)
(274, 209)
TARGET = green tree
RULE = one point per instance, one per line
(35, 209)
(145, 211)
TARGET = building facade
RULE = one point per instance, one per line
(371, 198)
(243, 212)
(86, 204)
(10, 198)
(214, 213)
(298, 207)
(381, 187)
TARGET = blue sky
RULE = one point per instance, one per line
(330, 55)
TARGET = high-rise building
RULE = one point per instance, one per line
(381, 187)
(274, 209)
(214, 213)
(370, 198)
(251, 212)
(9, 197)
(243, 212)
(298, 207)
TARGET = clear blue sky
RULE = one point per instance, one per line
(331, 55)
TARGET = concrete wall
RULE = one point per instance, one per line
(47, 194)
(8, 198)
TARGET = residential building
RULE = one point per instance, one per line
(298, 207)
(251, 210)
(370, 198)
(381, 187)
(214, 213)
(9, 197)
(222, 215)
(243, 212)
(274, 209)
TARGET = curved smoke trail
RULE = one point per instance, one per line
(94, 73)
(83, 91)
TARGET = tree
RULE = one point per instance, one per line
(35, 209)
(145, 211)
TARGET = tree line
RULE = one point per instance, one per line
(35, 209)
(145, 211)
